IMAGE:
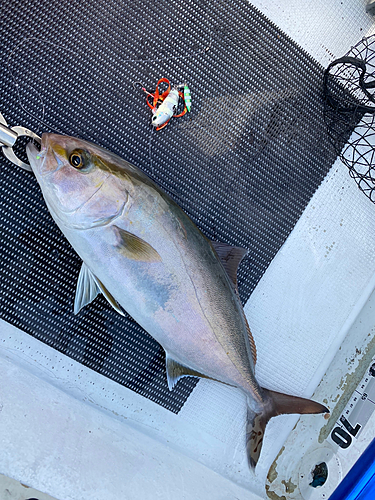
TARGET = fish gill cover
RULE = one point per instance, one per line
(243, 163)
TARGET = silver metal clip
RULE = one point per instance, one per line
(8, 137)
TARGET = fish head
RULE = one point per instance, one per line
(81, 183)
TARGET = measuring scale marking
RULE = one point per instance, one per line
(357, 412)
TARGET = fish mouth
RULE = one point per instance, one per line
(35, 156)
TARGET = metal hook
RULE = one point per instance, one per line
(8, 137)
(142, 88)
(138, 83)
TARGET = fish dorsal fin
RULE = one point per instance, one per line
(230, 257)
(88, 288)
(251, 339)
(176, 371)
(134, 248)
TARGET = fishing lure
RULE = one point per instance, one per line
(164, 105)
(187, 97)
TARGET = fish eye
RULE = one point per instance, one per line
(77, 159)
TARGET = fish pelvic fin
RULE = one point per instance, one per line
(276, 403)
(88, 288)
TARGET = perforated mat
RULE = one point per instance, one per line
(243, 164)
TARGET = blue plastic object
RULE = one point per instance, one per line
(359, 483)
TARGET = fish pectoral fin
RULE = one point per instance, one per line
(133, 247)
(88, 288)
(230, 257)
(176, 371)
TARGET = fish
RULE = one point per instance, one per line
(147, 257)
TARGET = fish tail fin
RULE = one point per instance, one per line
(255, 428)
(276, 403)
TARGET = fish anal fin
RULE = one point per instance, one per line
(134, 248)
(88, 288)
(230, 257)
(275, 403)
(176, 371)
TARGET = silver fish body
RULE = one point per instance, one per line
(147, 256)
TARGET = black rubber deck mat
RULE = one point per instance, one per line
(243, 164)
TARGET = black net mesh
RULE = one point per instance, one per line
(349, 86)
(243, 164)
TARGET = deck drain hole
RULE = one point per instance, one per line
(319, 474)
